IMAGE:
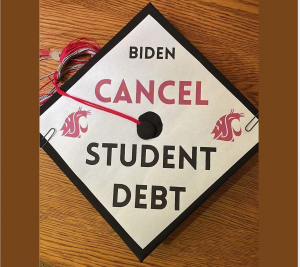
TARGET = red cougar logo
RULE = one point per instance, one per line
(71, 125)
(223, 129)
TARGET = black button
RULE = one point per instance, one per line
(146, 130)
(150, 126)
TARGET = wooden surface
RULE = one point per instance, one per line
(224, 230)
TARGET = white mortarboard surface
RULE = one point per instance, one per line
(146, 188)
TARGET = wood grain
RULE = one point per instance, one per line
(224, 230)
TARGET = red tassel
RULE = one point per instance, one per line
(77, 47)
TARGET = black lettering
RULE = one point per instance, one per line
(146, 52)
(133, 156)
(133, 52)
(207, 157)
(177, 191)
(115, 196)
(161, 197)
(139, 196)
(168, 52)
(160, 52)
(141, 52)
(167, 157)
(109, 151)
(183, 155)
(92, 153)
(143, 156)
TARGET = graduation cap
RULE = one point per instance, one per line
(171, 130)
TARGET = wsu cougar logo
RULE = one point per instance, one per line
(223, 129)
(71, 125)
